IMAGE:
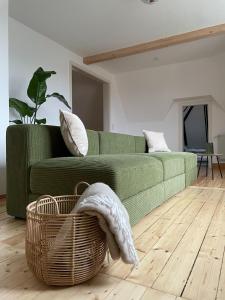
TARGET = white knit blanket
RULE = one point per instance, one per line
(99, 200)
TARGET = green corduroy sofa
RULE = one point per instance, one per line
(38, 163)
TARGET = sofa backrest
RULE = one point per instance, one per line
(93, 142)
(140, 144)
(47, 142)
(116, 143)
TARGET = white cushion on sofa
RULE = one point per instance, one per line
(74, 133)
(156, 141)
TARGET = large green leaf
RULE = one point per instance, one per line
(40, 121)
(60, 98)
(37, 87)
(16, 122)
(21, 107)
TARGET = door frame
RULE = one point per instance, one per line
(106, 91)
(193, 101)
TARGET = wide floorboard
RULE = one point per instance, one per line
(180, 245)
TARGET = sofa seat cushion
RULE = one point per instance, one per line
(190, 159)
(126, 174)
(173, 164)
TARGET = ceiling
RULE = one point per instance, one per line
(87, 27)
(174, 54)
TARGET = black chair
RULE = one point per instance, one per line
(209, 153)
(209, 148)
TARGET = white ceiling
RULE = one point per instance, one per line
(87, 27)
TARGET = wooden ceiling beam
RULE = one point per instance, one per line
(156, 44)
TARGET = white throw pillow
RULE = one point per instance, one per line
(74, 133)
(156, 141)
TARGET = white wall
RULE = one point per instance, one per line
(4, 77)
(27, 51)
(145, 98)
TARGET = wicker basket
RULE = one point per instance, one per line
(63, 248)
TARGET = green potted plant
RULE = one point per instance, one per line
(37, 93)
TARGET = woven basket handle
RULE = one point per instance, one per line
(50, 197)
(78, 185)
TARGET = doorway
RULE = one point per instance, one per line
(195, 128)
(87, 99)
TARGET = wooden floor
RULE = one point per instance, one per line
(181, 247)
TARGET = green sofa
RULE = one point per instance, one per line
(38, 163)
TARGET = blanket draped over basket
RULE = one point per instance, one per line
(67, 236)
(100, 200)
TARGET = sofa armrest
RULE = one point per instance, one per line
(27, 144)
